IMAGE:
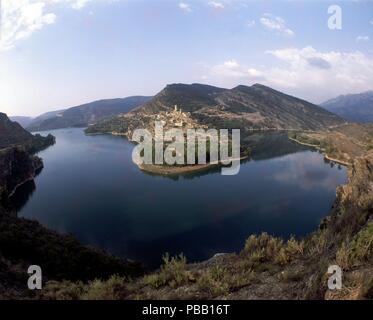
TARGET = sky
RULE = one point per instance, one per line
(56, 54)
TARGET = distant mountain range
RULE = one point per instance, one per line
(82, 115)
(23, 121)
(256, 107)
(353, 107)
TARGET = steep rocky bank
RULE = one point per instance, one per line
(16, 167)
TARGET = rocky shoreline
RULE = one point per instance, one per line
(326, 156)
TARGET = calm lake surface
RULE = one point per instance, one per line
(89, 187)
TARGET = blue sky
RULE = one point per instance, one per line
(60, 53)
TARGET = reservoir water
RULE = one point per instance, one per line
(89, 187)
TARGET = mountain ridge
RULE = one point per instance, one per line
(254, 107)
(354, 107)
(85, 114)
(24, 121)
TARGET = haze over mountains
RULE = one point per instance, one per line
(12, 134)
(354, 107)
(23, 121)
(256, 107)
(85, 114)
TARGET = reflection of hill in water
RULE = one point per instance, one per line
(270, 145)
(262, 146)
(190, 175)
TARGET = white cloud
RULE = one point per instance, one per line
(362, 39)
(185, 7)
(216, 5)
(78, 4)
(75, 4)
(229, 68)
(310, 74)
(276, 24)
(321, 75)
(21, 18)
(232, 69)
(251, 23)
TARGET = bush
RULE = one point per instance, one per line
(342, 257)
(112, 289)
(264, 248)
(218, 281)
(173, 272)
(317, 243)
(65, 290)
(361, 247)
(213, 282)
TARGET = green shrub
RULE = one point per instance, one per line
(262, 248)
(155, 280)
(361, 248)
(65, 290)
(218, 281)
(112, 289)
(342, 257)
(318, 243)
(173, 272)
(213, 282)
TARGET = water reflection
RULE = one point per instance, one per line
(262, 146)
(90, 187)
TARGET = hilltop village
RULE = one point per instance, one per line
(177, 119)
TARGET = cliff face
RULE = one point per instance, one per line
(17, 164)
(13, 135)
(16, 167)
